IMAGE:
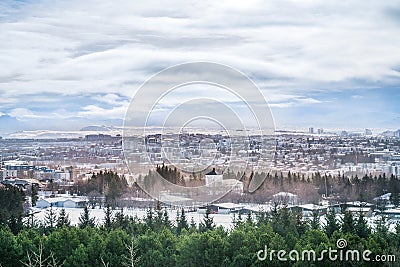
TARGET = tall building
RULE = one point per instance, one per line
(320, 131)
(311, 130)
(368, 132)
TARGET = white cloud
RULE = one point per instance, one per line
(96, 46)
(111, 99)
(27, 114)
(297, 101)
(22, 113)
(106, 50)
(96, 112)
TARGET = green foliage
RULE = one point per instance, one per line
(348, 223)
(50, 219)
(181, 221)
(9, 249)
(108, 184)
(63, 219)
(315, 223)
(155, 241)
(85, 220)
(34, 194)
(331, 223)
(207, 223)
(107, 217)
(11, 207)
(361, 227)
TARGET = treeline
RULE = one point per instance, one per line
(108, 187)
(155, 240)
(11, 207)
(310, 188)
(172, 175)
(105, 187)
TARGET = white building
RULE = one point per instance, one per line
(47, 202)
(61, 202)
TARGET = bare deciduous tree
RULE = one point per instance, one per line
(130, 260)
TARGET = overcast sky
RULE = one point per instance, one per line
(69, 64)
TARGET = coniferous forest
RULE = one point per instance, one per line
(155, 240)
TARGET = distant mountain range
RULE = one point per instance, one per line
(96, 128)
(51, 134)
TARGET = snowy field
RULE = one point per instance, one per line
(224, 220)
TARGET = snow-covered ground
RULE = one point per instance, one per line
(224, 220)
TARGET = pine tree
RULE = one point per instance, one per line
(166, 221)
(34, 195)
(193, 225)
(208, 222)
(63, 219)
(261, 218)
(120, 220)
(85, 220)
(149, 218)
(348, 222)
(108, 217)
(314, 223)
(181, 222)
(331, 223)
(361, 227)
(249, 219)
(381, 227)
(159, 216)
(50, 217)
(238, 220)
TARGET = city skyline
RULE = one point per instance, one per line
(67, 65)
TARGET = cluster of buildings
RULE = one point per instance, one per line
(20, 169)
(68, 160)
(337, 154)
(380, 206)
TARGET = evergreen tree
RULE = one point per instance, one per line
(381, 227)
(314, 223)
(394, 197)
(192, 226)
(331, 223)
(15, 224)
(11, 207)
(34, 194)
(85, 220)
(361, 227)
(149, 218)
(261, 218)
(208, 222)
(166, 221)
(120, 220)
(108, 217)
(181, 222)
(50, 217)
(158, 222)
(249, 219)
(63, 219)
(348, 223)
(301, 225)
